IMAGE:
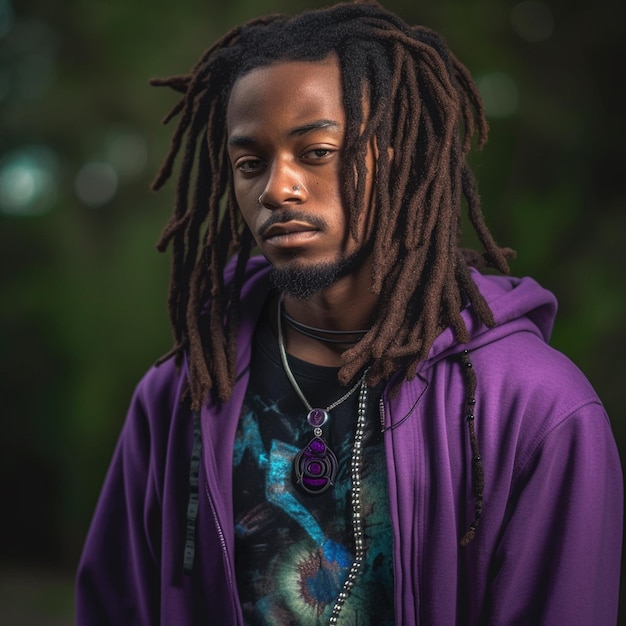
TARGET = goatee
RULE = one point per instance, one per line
(304, 281)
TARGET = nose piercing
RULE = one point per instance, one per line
(295, 188)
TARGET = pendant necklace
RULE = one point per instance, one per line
(316, 464)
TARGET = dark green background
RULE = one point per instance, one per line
(82, 289)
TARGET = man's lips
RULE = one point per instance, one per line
(289, 230)
(289, 224)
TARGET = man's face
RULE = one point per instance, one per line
(286, 126)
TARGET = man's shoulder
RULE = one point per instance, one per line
(523, 360)
(530, 390)
(161, 387)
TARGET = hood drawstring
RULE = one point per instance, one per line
(193, 502)
(478, 474)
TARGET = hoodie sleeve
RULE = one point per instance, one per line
(558, 559)
(118, 577)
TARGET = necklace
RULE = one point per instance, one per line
(357, 517)
(321, 334)
(316, 464)
(311, 459)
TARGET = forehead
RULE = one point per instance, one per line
(289, 92)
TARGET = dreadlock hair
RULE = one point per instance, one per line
(423, 112)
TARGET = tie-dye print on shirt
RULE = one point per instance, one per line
(293, 549)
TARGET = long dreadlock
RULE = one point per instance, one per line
(424, 111)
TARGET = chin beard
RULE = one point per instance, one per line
(304, 281)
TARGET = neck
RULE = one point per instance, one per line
(345, 307)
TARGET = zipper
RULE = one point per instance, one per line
(381, 411)
(222, 538)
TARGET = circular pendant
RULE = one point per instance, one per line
(316, 466)
(317, 417)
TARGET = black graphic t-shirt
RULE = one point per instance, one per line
(294, 549)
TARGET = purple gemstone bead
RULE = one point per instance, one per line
(315, 468)
(316, 485)
(317, 417)
(317, 446)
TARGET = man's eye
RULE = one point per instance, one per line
(319, 153)
(249, 165)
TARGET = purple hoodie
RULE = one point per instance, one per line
(547, 550)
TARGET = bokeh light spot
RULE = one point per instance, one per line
(96, 183)
(28, 183)
(127, 151)
(500, 94)
(6, 18)
(32, 45)
(532, 20)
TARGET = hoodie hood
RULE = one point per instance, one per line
(517, 304)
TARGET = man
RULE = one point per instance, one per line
(356, 427)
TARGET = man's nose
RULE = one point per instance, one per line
(284, 185)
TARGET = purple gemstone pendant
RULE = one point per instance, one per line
(316, 466)
(317, 417)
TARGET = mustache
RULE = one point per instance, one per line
(287, 215)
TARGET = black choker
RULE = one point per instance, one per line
(319, 333)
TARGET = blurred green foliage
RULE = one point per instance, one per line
(83, 291)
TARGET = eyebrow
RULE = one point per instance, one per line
(316, 125)
(243, 140)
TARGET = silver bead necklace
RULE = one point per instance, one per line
(310, 469)
(357, 518)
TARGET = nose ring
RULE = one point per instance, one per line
(295, 188)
